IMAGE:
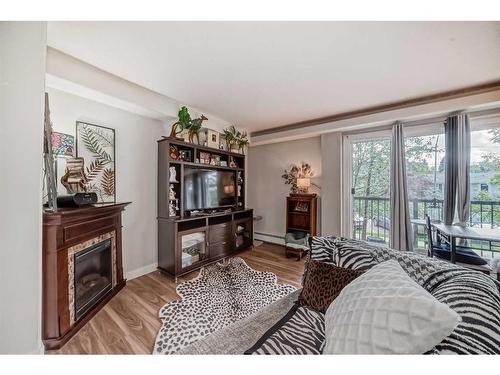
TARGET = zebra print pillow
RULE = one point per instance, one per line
(300, 331)
(322, 248)
(476, 298)
(473, 295)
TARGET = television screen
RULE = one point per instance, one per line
(206, 188)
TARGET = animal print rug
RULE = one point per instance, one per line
(219, 296)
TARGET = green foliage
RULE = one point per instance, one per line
(185, 121)
(371, 168)
(495, 135)
(235, 137)
(495, 180)
(484, 196)
(184, 118)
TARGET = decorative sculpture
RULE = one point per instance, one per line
(173, 175)
(75, 180)
(171, 192)
(185, 123)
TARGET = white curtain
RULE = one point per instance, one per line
(401, 232)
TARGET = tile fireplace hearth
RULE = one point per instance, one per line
(82, 267)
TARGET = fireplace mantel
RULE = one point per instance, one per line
(64, 233)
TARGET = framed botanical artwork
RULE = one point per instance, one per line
(96, 145)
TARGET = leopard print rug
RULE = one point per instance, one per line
(218, 296)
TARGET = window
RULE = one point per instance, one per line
(370, 178)
(485, 175)
(424, 151)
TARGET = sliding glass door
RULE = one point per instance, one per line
(369, 165)
(424, 151)
(367, 179)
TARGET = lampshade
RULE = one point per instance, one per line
(303, 183)
(62, 144)
(229, 189)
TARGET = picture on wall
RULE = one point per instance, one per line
(96, 145)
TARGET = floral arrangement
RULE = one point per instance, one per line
(297, 171)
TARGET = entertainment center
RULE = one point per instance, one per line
(201, 206)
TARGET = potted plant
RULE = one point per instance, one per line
(236, 141)
(229, 136)
(243, 142)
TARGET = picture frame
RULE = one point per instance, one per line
(204, 157)
(213, 138)
(302, 207)
(96, 145)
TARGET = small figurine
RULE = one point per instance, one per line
(172, 209)
(171, 193)
(174, 152)
(173, 175)
(232, 163)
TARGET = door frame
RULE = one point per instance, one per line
(347, 141)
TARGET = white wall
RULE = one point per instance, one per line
(266, 189)
(136, 170)
(22, 84)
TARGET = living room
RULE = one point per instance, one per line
(250, 187)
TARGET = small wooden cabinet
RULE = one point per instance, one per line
(301, 213)
(301, 217)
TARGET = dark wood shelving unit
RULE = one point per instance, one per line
(187, 242)
(303, 220)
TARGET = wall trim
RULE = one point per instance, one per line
(138, 272)
(269, 237)
(447, 95)
(38, 351)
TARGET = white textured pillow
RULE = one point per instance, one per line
(385, 312)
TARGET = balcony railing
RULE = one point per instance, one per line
(371, 220)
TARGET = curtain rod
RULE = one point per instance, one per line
(473, 115)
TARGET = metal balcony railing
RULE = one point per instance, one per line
(371, 219)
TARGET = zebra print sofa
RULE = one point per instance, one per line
(300, 330)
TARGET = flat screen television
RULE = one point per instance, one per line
(208, 188)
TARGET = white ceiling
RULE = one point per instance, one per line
(265, 74)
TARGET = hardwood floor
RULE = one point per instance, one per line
(128, 324)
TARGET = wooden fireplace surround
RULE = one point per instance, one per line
(62, 230)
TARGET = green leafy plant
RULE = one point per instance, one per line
(234, 137)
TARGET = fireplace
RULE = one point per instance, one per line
(82, 267)
(93, 271)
